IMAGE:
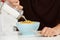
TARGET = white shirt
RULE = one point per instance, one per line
(8, 19)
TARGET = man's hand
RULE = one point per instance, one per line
(49, 32)
(16, 4)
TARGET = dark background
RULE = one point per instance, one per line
(47, 12)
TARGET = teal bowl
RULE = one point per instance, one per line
(27, 29)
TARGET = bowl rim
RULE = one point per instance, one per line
(34, 22)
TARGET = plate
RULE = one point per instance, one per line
(35, 35)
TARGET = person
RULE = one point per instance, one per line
(47, 12)
(9, 16)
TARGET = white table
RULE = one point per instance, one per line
(18, 37)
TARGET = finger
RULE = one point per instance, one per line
(19, 7)
(15, 4)
(52, 33)
(47, 32)
(44, 30)
(55, 33)
(39, 32)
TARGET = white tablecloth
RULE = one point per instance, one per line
(19, 37)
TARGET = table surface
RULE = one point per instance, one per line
(19, 37)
